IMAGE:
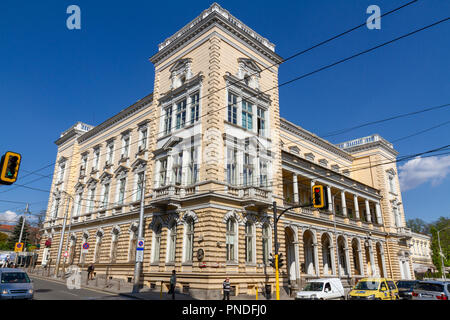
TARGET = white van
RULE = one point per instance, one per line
(322, 289)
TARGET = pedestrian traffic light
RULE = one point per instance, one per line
(280, 260)
(272, 261)
(319, 197)
(9, 167)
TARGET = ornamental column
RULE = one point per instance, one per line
(368, 217)
(295, 187)
(344, 204)
(378, 212)
(355, 202)
(330, 201)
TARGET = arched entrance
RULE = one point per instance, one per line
(356, 259)
(342, 256)
(308, 245)
(291, 264)
(326, 254)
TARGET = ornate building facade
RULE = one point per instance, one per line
(215, 154)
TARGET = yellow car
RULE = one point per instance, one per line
(374, 289)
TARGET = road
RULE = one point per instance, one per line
(53, 290)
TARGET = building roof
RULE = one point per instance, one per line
(6, 228)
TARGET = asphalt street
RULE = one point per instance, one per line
(52, 290)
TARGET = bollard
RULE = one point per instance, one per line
(256, 288)
(160, 293)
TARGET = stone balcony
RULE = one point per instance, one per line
(405, 233)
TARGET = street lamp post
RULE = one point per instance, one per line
(21, 233)
(138, 263)
(440, 252)
(335, 235)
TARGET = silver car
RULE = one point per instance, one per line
(15, 284)
(431, 290)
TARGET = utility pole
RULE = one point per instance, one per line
(21, 232)
(335, 236)
(441, 254)
(138, 262)
(68, 236)
(61, 240)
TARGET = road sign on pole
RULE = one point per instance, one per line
(18, 247)
(139, 256)
(140, 244)
(85, 247)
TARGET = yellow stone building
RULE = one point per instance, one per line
(215, 154)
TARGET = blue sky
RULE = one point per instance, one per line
(52, 77)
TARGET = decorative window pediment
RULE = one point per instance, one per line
(105, 178)
(309, 156)
(250, 72)
(323, 162)
(295, 150)
(79, 187)
(91, 183)
(335, 167)
(180, 72)
(121, 172)
(62, 159)
(391, 172)
(139, 165)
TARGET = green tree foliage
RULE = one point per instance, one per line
(442, 224)
(418, 226)
(16, 234)
(4, 243)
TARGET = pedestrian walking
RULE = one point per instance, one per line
(173, 282)
(226, 289)
(90, 270)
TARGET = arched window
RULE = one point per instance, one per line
(156, 242)
(171, 242)
(249, 239)
(189, 242)
(231, 240)
(266, 243)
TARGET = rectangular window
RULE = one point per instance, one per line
(249, 242)
(261, 122)
(78, 204)
(96, 158)
(139, 186)
(163, 173)
(110, 153)
(247, 115)
(178, 167)
(55, 211)
(189, 240)
(181, 114)
(232, 108)
(125, 146)
(248, 165)
(62, 168)
(122, 185)
(391, 183)
(143, 140)
(230, 239)
(193, 166)
(195, 108)
(91, 200)
(168, 120)
(263, 173)
(231, 165)
(105, 195)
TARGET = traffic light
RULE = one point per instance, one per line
(280, 261)
(9, 167)
(272, 261)
(319, 197)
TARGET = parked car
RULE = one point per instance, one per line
(15, 284)
(374, 289)
(322, 289)
(405, 288)
(431, 290)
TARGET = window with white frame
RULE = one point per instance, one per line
(156, 242)
(62, 168)
(91, 200)
(231, 240)
(139, 185)
(84, 160)
(163, 172)
(121, 193)
(396, 217)
(392, 183)
(249, 239)
(177, 167)
(195, 108)
(247, 115)
(232, 165)
(266, 243)
(78, 201)
(143, 138)
(125, 146)
(193, 166)
(263, 172)
(168, 120)
(261, 122)
(189, 244)
(96, 158)
(55, 208)
(110, 156)
(171, 242)
(232, 108)
(105, 196)
(248, 164)
(181, 114)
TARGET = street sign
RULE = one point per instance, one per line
(66, 254)
(18, 247)
(85, 248)
(139, 256)
(140, 244)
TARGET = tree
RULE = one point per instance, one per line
(4, 244)
(418, 226)
(444, 237)
(16, 234)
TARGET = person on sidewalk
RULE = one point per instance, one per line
(90, 270)
(226, 289)
(173, 282)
